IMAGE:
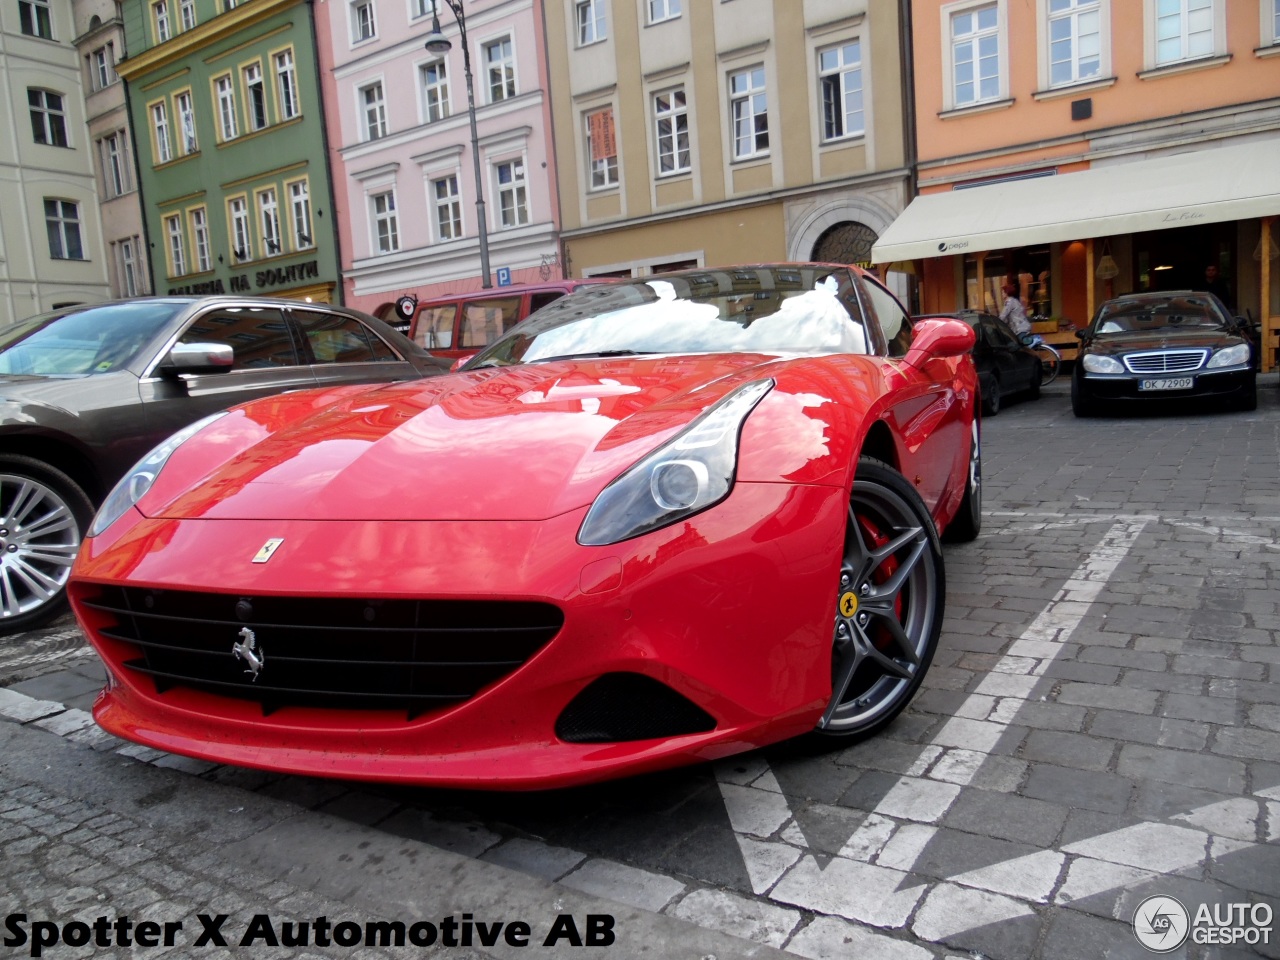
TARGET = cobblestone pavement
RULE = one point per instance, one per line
(1101, 725)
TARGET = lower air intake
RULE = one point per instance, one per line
(629, 706)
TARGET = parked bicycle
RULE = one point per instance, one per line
(1050, 359)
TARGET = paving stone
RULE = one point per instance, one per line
(533, 857)
(1249, 744)
(1219, 813)
(904, 798)
(1091, 790)
(756, 921)
(1207, 709)
(1001, 866)
(1157, 731)
(1110, 698)
(830, 938)
(1152, 846)
(1141, 762)
(1069, 749)
(24, 709)
(970, 768)
(1173, 682)
(625, 884)
(1218, 667)
(892, 756)
(1072, 935)
(1005, 816)
(468, 839)
(983, 923)
(851, 889)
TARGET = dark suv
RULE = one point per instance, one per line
(85, 392)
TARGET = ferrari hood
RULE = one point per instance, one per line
(512, 443)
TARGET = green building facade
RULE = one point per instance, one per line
(224, 96)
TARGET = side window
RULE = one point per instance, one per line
(998, 336)
(335, 338)
(539, 300)
(435, 327)
(483, 321)
(260, 338)
(890, 316)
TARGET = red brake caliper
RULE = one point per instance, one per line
(879, 634)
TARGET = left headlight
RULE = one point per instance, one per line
(1230, 356)
(689, 473)
(138, 480)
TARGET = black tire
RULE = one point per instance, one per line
(43, 517)
(889, 604)
(991, 400)
(1033, 388)
(1082, 405)
(1247, 399)
(967, 523)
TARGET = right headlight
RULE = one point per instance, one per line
(139, 480)
(1097, 363)
(689, 473)
(1230, 356)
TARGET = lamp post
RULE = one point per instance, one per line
(437, 43)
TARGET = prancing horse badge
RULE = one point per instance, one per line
(268, 548)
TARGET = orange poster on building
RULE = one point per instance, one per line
(603, 146)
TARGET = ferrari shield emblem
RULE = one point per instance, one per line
(848, 603)
(268, 548)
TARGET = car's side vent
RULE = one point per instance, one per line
(629, 706)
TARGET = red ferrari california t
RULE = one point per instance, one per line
(660, 521)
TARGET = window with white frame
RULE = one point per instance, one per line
(102, 68)
(224, 89)
(448, 206)
(269, 220)
(663, 10)
(602, 148)
(160, 11)
(186, 122)
(128, 266)
(200, 239)
(513, 199)
(671, 131)
(300, 214)
(749, 113)
(34, 18)
(374, 109)
(424, 8)
(255, 92)
(363, 26)
(500, 69)
(386, 230)
(160, 130)
(1274, 14)
(241, 235)
(1075, 41)
(1184, 30)
(188, 13)
(592, 25)
(286, 84)
(975, 55)
(48, 119)
(177, 245)
(435, 91)
(841, 92)
(62, 218)
(113, 150)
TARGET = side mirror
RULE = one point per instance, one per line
(932, 339)
(198, 358)
(1082, 334)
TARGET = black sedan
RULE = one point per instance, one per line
(85, 392)
(1154, 346)
(1006, 366)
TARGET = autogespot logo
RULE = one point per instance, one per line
(1161, 924)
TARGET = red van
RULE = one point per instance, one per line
(461, 324)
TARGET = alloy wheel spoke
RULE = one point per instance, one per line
(24, 502)
(44, 587)
(893, 586)
(905, 647)
(8, 598)
(59, 554)
(850, 658)
(57, 519)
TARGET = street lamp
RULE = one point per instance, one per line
(438, 44)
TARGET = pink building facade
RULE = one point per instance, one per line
(400, 147)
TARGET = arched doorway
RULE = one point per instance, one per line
(845, 242)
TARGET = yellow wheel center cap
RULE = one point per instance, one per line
(848, 603)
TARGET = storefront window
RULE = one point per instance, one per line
(1028, 267)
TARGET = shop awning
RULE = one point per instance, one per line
(1209, 185)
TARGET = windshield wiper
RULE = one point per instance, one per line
(594, 354)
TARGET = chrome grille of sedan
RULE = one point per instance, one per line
(1165, 361)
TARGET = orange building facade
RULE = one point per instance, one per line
(1088, 148)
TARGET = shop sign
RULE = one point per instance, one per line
(277, 276)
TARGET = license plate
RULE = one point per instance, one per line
(1168, 383)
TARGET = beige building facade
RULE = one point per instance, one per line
(100, 42)
(51, 251)
(704, 132)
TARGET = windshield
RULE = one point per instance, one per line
(85, 341)
(1159, 313)
(742, 310)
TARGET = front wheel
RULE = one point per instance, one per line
(889, 604)
(1082, 405)
(43, 516)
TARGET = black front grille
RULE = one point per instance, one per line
(620, 707)
(353, 654)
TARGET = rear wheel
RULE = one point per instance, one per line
(967, 523)
(889, 604)
(991, 399)
(1033, 387)
(43, 516)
